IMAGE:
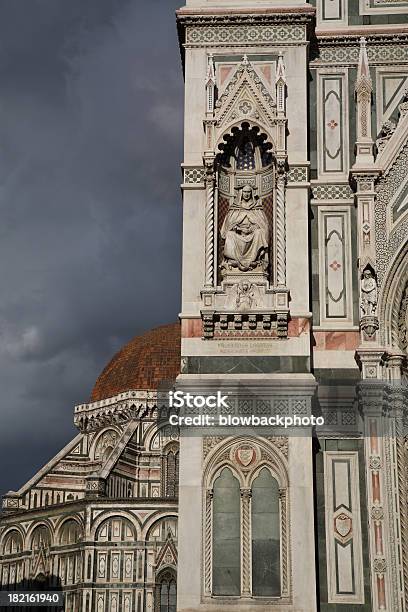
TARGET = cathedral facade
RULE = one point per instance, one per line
(294, 303)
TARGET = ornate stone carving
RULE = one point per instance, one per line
(403, 320)
(387, 130)
(246, 495)
(369, 293)
(375, 462)
(403, 106)
(247, 295)
(209, 223)
(281, 225)
(238, 34)
(379, 565)
(245, 456)
(246, 234)
(245, 325)
(208, 541)
(209, 442)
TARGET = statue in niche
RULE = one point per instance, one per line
(368, 293)
(246, 234)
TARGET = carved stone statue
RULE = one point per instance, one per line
(246, 234)
(368, 293)
(387, 130)
(246, 296)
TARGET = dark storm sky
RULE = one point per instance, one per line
(90, 237)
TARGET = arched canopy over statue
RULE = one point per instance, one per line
(246, 234)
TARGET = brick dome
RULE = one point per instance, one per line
(142, 363)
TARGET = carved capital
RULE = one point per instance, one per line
(246, 494)
(281, 167)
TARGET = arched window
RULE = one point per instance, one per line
(71, 532)
(265, 536)
(41, 537)
(246, 522)
(13, 543)
(226, 535)
(170, 470)
(166, 592)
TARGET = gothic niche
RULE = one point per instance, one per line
(368, 302)
(245, 185)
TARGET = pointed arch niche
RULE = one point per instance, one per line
(245, 293)
(245, 158)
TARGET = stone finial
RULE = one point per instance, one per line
(210, 70)
(363, 89)
(280, 84)
(280, 70)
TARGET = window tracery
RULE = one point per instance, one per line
(170, 470)
(246, 528)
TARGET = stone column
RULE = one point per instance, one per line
(208, 542)
(280, 225)
(209, 223)
(284, 542)
(246, 541)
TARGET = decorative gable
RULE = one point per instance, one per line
(168, 554)
(245, 97)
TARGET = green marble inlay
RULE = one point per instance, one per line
(247, 365)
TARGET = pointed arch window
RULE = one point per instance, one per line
(226, 535)
(265, 536)
(166, 593)
(170, 471)
(246, 526)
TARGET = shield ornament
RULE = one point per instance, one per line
(245, 455)
(342, 525)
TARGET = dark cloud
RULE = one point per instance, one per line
(90, 212)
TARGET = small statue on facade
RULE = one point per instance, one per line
(369, 293)
(387, 130)
(245, 299)
(246, 234)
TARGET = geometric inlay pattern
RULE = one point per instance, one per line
(332, 192)
(244, 34)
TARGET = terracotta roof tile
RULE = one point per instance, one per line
(143, 363)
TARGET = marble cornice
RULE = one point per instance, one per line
(353, 33)
(264, 16)
(351, 39)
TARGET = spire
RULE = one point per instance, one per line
(210, 70)
(363, 89)
(210, 84)
(280, 84)
(363, 82)
(280, 70)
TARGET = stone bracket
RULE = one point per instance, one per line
(235, 325)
